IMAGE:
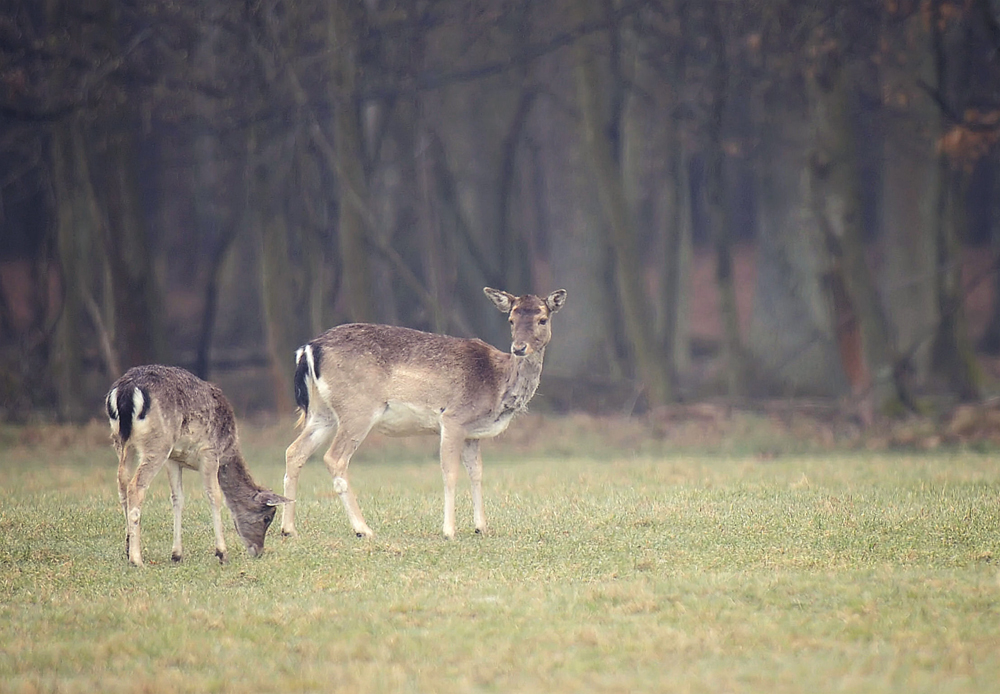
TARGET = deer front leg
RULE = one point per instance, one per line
(295, 457)
(337, 459)
(451, 462)
(177, 503)
(210, 477)
(472, 459)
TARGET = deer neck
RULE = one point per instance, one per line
(522, 382)
(234, 478)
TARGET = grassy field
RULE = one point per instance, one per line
(603, 571)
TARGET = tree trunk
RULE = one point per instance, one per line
(717, 203)
(515, 254)
(71, 239)
(909, 170)
(134, 287)
(352, 186)
(90, 220)
(951, 349)
(279, 309)
(989, 342)
(791, 330)
(211, 303)
(859, 320)
(601, 146)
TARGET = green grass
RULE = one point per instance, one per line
(821, 572)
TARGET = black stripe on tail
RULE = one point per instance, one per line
(126, 407)
(301, 390)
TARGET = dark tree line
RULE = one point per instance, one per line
(212, 184)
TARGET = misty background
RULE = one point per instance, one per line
(743, 199)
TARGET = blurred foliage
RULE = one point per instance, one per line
(238, 176)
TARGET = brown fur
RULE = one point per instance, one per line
(183, 422)
(356, 378)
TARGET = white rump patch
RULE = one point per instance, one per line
(298, 354)
(113, 408)
(137, 402)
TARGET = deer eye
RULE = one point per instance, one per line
(543, 321)
(511, 321)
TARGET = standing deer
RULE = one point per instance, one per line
(170, 417)
(356, 378)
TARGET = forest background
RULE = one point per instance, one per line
(743, 199)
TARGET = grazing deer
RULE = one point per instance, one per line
(170, 417)
(358, 377)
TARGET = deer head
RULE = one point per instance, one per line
(253, 516)
(528, 317)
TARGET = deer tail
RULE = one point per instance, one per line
(126, 403)
(306, 369)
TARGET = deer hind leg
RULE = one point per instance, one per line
(314, 433)
(452, 445)
(210, 477)
(150, 462)
(177, 503)
(124, 476)
(472, 459)
(337, 459)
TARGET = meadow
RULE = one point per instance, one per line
(618, 567)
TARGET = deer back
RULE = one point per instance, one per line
(414, 374)
(158, 406)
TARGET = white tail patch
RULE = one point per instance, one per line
(113, 411)
(310, 360)
(138, 402)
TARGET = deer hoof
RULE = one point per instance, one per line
(176, 558)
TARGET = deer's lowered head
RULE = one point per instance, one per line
(251, 506)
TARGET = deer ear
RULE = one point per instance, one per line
(555, 300)
(502, 300)
(271, 499)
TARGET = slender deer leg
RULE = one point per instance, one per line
(337, 459)
(315, 431)
(124, 475)
(150, 463)
(177, 502)
(472, 459)
(210, 477)
(451, 462)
